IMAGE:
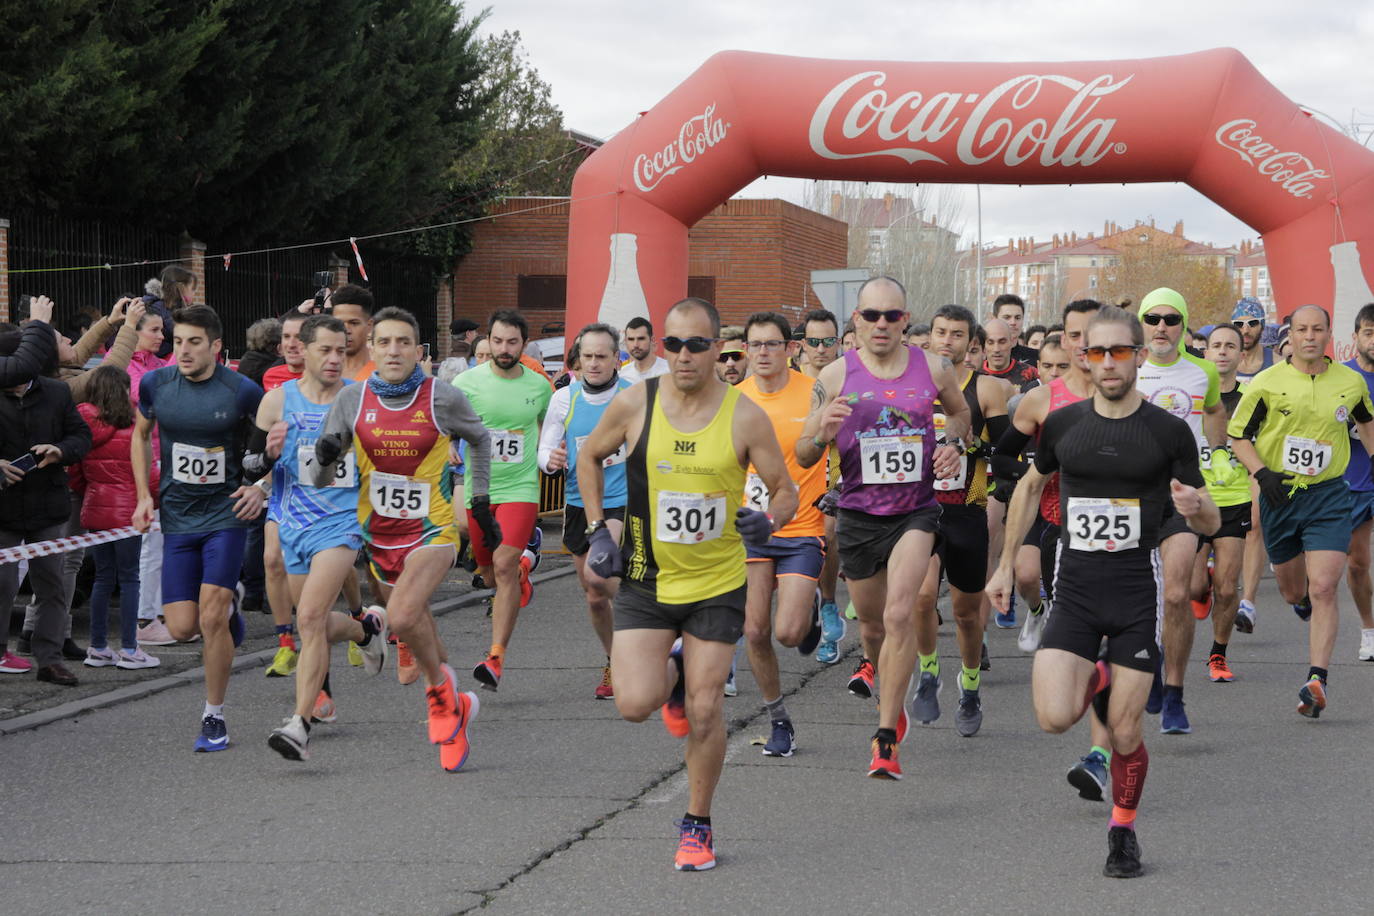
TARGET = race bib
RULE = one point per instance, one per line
(507, 446)
(689, 518)
(398, 496)
(958, 481)
(195, 465)
(1308, 457)
(1103, 524)
(345, 469)
(891, 459)
(618, 457)
(756, 493)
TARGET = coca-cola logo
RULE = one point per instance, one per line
(697, 135)
(1292, 170)
(874, 123)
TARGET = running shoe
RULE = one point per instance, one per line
(71, 651)
(828, 653)
(99, 658)
(925, 705)
(445, 717)
(1312, 698)
(1102, 698)
(985, 660)
(812, 639)
(1005, 621)
(604, 690)
(135, 659)
(968, 718)
(1218, 670)
(1155, 701)
(1089, 776)
(355, 655)
(850, 613)
(1245, 617)
(731, 688)
(884, 764)
(214, 735)
(155, 633)
(291, 739)
(374, 653)
(783, 740)
(283, 663)
(1123, 854)
(1366, 646)
(861, 681)
(407, 672)
(675, 710)
(1173, 719)
(13, 664)
(1033, 629)
(453, 754)
(695, 849)
(238, 627)
(325, 710)
(487, 672)
(832, 624)
(1304, 609)
(903, 721)
(526, 587)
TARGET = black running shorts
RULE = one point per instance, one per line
(1098, 597)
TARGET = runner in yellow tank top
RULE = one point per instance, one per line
(690, 439)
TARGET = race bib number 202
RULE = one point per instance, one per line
(195, 465)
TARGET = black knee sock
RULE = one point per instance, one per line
(1218, 648)
(691, 818)
(1314, 671)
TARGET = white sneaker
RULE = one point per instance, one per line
(1367, 645)
(291, 740)
(374, 653)
(155, 633)
(98, 658)
(1033, 629)
(135, 659)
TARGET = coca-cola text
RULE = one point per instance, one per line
(697, 135)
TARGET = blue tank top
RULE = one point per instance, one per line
(1358, 473)
(581, 420)
(299, 504)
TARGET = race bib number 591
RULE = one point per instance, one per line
(1308, 457)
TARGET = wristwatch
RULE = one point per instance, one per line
(594, 527)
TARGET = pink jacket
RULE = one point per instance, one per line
(140, 364)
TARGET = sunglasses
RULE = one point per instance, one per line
(872, 315)
(1119, 353)
(731, 356)
(1247, 323)
(770, 345)
(693, 344)
(820, 341)
(1172, 321)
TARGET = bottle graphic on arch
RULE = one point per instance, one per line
(1351, 293)
(623, 297)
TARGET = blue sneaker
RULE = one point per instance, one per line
(214, 735)
(1245, 617)
(832, 624)
(1304, 609)
(783, 742)
(828, 653)
(1089, 776)
(1005, 621)
(1155, 702)
(1174, 721)
(237, 626)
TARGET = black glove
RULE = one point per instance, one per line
(1003, 488)
(328, 448)
(828, 503)
(754, 527)
(1274, 485)
(603, 556)
(481, 513)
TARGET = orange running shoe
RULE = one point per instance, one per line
(903, 723)
(407, 672)
(488, 672)
(445, 718)
(526, 588)
(1202, 608)
(695, 849)
(1312, 698)
(324, 711)
(884, 765)
(675, 710)
(1218, 670)
(861, 681)
(453, 754)
(605, 691)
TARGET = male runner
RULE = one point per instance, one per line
(511, 400)
(1010, 308)
(639, 341)
(318, 527)
(398, 427)
(1120, 459)
(1291, 431)
(1054, 360)
(963, 550)
(820, 344)
(1248, 318)
(573, 414)
(353, 306)
(204, 413)
(1186, 386)
(1358, 478)
(292, 352)
(790, 563)
(691, 437)
(877, 405)
(733, 363)
(997, 359)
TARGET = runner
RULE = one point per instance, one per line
(1186, 386)
(878, 406)
(319, 532)
(573, 414)
(1121, 460)
(1290, 431)
(512, 401)
(1361, 483)
(790, 562)
(1010, 308)
(203, 413)
(639, 341)
(732, 366)
(398, 428)
(353, 306)
(820, 343)
(997, 359)
(691, 437)
(963, 543)
(1248, 318)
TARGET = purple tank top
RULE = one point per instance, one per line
(887, 444)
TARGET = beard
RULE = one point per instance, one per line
(505, 360)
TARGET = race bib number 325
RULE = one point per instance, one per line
(891, 459)
(1103, 524)
(195, 465)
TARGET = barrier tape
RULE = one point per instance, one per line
(67, 544)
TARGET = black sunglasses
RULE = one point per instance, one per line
(1172, 321)
(729, 356)
(1120, 353)
(821, 341)
(872, 315)
(693, 344)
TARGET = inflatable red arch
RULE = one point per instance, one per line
(1209, 119)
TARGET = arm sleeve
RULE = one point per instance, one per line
(1006, 459)
(1046, 461)
(37, 349)
(997, 427)
(552, 432)
(338, 422)
(256, 463)
(455, 417)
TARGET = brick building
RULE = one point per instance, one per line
(744, 256)
(1252, 275)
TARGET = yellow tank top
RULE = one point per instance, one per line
(683, 488)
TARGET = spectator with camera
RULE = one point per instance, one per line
(36, 348)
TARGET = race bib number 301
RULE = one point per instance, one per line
(195, 465)
(345, 469)
(891, 459)
(689, 518)
(398, 496)
(1308, 457)
(1103, 524)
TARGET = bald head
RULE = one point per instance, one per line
(882, 289)
(1311, 314)
(997, 350)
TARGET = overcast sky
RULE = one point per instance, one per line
(609, 59)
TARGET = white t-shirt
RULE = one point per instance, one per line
(630, 372)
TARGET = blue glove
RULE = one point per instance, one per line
(755, 528)
(603, 556)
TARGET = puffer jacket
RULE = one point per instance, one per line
(105, 477)
(43, 414)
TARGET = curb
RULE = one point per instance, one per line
(195, 675)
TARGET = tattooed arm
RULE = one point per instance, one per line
(828, 411)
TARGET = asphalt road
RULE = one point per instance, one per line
(563, 807)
